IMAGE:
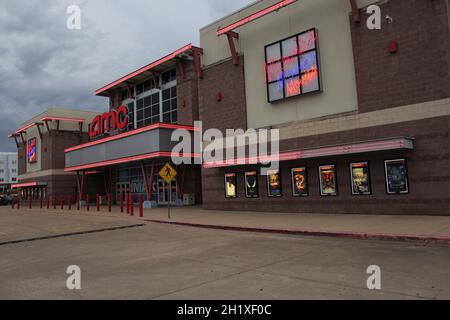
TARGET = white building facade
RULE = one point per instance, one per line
(8, 169)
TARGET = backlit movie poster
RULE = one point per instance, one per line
(251, 184)
(230, 185)
(360, 177)
(31, 151)
(328, 181)
(299, 182)
(274, 184)
(396, 176)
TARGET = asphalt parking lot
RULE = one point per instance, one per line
(123, 260)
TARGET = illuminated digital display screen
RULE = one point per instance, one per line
(292, 66)
(32, 150)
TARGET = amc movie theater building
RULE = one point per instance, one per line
(363, 114)
(131, 142)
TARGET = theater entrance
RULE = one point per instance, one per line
(163, 191)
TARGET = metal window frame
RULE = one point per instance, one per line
(297, 55)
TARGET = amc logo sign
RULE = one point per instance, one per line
(104, 124)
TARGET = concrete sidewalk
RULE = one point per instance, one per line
(383, 227)
(432, 229)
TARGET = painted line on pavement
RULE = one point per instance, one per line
(71, 234)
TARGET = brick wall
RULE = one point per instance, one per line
(227, 79)
(53, 146)
(419, 72)
(22, 160)
(187, 94)
(428, 169)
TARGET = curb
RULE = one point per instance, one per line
(345, 235)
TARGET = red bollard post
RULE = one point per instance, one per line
(127, 199)
(97, 199)
(48, 202)
(141, 207)
(78, 201)
(69, 202)
(61, 200)
(18, 203)
(121, 202)
(54, 202)
(109, 202)
(131, 206)
(88, 205)
(29, 202)
(41, 203)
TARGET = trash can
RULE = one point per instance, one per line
(188, 199)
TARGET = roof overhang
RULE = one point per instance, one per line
(29, 185)
(25, 128)
(254, 16)
(145, 72)
(338, 150)
(145, 143)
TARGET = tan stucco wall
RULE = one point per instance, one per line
(331, 18)
(64, 126)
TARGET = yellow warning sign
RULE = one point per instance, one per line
(168, 173)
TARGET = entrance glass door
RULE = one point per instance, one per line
(163, 191)
(122, 189)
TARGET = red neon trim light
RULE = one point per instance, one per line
(23, 129)
(146, 68)
(314, 153)
(24, 185)
(255, 16)
(132, 133)
(152, 155)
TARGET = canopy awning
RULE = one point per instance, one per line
(337, 150)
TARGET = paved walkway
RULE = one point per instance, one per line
(424, 228)
(383, 227)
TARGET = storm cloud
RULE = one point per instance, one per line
(44, 64)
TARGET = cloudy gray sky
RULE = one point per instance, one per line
(44, 64)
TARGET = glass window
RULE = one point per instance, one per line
(292, 66)
(169, 107)
(131, 116)
(140, 104)
(125, 95)
(289, 47)
(169, 76)
(139, 89)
